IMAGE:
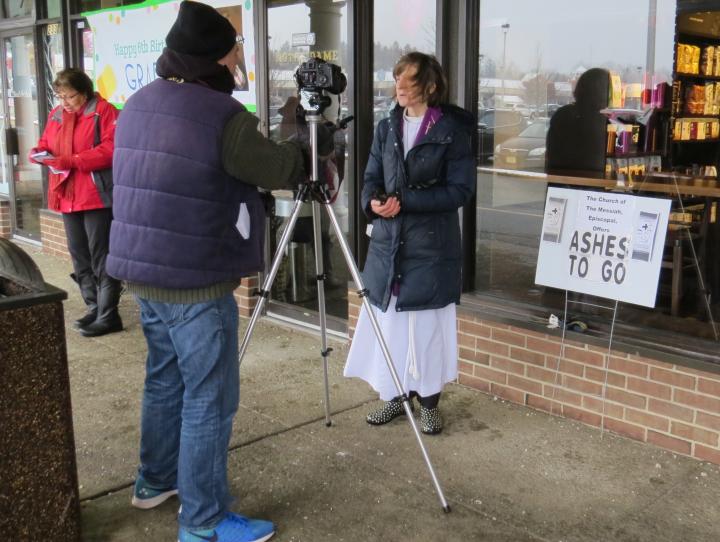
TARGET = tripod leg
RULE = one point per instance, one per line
(383, 346)
(274, 266)
(320, 275)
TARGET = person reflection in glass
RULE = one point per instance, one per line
(576, 138)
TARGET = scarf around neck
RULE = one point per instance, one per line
(195, 69)
(430, 118)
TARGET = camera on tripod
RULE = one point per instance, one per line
(314, 77)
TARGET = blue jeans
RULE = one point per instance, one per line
(190, 398)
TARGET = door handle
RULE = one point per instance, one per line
(12, 145)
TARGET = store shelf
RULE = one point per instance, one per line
(706, 140)
(680, 75)
(638, 154)
(689, 116)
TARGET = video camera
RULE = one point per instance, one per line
(314, 77)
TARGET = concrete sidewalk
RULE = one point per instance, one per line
(509, 473)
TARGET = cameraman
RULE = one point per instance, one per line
(188, 224)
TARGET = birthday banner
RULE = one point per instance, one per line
(128, 41)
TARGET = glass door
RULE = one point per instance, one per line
(298, 31)
(19, 131)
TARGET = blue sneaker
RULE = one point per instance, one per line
(234, 528)
(146, 496)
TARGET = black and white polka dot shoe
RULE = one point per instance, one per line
(387, 413)
(431, 422)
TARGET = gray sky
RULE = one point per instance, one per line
(572, 32)
(567, 33)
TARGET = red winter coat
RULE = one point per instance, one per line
(77, 191)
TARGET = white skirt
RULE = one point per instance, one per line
(422, 344)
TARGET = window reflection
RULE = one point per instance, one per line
(88, 49)
(53, 60)
(53, 9)
(296, 33)
(532, 57)
(16, 8)
(400, 26)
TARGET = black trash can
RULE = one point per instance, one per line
(39, 497)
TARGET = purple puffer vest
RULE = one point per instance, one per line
(175, 208)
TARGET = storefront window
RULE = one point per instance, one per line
(16, 8)
(88, 52)
(531, 56)
(53, 60)
(400, 26)
(297, 32)
(21, 128)
(53, 9)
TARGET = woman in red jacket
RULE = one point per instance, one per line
(77, 148)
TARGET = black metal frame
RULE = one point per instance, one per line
(362, 135)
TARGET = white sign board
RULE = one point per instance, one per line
(129, 40)
(299, 40)
(603, 243)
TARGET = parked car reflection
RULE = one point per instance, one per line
(526, 150)
(496, 126)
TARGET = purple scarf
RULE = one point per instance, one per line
(432, 115)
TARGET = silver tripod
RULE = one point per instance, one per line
(314, 189)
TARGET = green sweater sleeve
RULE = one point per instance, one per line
(254, 159)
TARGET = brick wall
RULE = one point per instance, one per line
(52, 234)
(667, 405)
(245, 295)
(354, 304)
(5, 226)
(671, 406)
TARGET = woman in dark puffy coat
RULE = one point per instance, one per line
(421, 170)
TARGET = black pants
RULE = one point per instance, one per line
(431, 401)
(88, 239)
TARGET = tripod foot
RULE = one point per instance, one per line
(446, 509)
(328, 424)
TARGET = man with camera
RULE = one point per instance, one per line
(188, 224)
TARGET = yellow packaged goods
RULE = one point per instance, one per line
(695, 59)
(716, 65)
(615, 91)
(685, 130)
(709, 95)
(715, 129)
(708, 59)
(677, 130)
(711, 60)
(685, 59)
(679, 58)
(611, 137)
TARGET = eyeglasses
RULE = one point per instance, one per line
(61, 98)
(239, 39)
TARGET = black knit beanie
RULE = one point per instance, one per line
(200, 30)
